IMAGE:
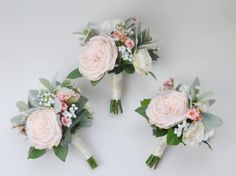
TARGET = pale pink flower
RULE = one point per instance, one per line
(66, 121)
(117, 35)
(63, 94)
(129, 43)
(167, 110)
(168, 84)
(194, 114)
(43, 129)
(99, 56)
(64, 106)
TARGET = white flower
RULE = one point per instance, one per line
(108, 26)
(208, 134)
(194, 134)
(142, 61)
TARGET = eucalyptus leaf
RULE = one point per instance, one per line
(74, 74)
(85, 123)
(81, 103)
(19, 120)
(22, 106)
(35, 153)
(211, 121)
(47, 84)
(61, 152)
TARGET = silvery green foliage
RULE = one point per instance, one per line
(22, 106)
(19, 120)
(33, 99)
(57, 105)
(211, 121)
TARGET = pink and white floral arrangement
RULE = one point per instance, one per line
(179, 114)
(51, 119)
(114, 47)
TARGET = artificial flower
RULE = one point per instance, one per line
(98, 57)
(142, 61)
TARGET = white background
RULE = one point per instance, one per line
(197, 38)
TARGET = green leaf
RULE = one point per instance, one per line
(74, 74)
(195, 83)
(145, 102)
(81, 103)
(211, 121)
(22, 106)
(172, 138)
(129, 68)
(61, 152)
(159, 132)
(153, 75)
(47, 84)
(142, 111)
(153, 54)
(33, 99)
(35, 153)
(19, 120)
(94, 83)
(66, 138)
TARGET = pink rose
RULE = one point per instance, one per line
(66, 121)
(63, 94)
(64, 107)
(129, 43)
(167, 110)
(194, 114)
(168, 84)
(98, 57)
(117, 35)
(43, 129)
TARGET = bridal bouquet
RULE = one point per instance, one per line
(179, 114)
(114, 47)
(51, 120)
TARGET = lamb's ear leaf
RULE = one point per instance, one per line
(61, 152)
(57, 105)
(211, 121)
(195, 83)
(35, 153)
(22, 106)
(47, 84)
(19, 120)
(74, 74)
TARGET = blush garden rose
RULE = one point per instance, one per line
(43, 129)
(98, 57)
(168, 109)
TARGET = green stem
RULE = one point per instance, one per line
(92, 162)
(153, 161)
(116, 107)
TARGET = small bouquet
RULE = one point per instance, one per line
(179, 114)
(114, 47)
(51, 119)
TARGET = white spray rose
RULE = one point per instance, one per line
(194, 134)
(108, 26)
(142, 61)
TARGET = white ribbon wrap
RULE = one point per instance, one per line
(161, 146)
(116, 86)
(78, 144)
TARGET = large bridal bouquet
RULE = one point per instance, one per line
(114, 47)
(51, 119)
(179, 114)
